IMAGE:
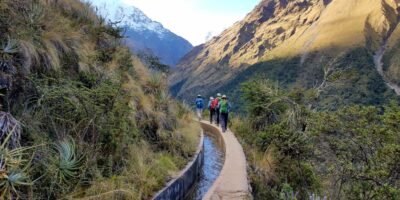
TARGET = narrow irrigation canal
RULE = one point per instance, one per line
(213, 162)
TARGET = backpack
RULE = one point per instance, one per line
(214, 104)
(224, 106)
(199, 103)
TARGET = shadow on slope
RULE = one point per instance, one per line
(354, 79)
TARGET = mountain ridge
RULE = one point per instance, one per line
(144, 34)
(283, 30)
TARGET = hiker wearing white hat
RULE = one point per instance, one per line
(224, 108)
(217, 113)
(212, 106)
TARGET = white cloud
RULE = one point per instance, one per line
(183, 18)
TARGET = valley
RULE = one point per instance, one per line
(281, 30)
(314, 86)
(100, 101)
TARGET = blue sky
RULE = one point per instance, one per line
(195, 20)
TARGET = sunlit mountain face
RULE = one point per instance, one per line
(300, 43)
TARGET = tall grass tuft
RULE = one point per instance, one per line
(10, 127)
(8, 49)
(155, 84)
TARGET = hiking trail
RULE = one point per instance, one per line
(232, 183)
(379, 66)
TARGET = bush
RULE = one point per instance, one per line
(278, 128)
(365, 148)
(298, 153)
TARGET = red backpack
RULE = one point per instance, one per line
(214, 103)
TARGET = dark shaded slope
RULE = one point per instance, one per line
(357, 82)
(169, 47)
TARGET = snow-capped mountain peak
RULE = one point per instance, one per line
(137, 20)
(128, 16)
(138, 16)
(143, 34)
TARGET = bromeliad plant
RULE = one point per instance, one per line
(64, 167)
(60, 169)
(68, 164)
(14, 166)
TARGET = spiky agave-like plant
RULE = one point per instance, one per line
(9, 181)
(14, 168)
(67, 163)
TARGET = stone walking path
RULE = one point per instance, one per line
(232, 183)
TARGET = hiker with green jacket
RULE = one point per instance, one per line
(224, 109)
(217, 113)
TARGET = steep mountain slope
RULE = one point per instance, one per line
(293, 42)
(144, 34)
(80, 116)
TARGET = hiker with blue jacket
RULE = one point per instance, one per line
(224, 109)
(199, 106)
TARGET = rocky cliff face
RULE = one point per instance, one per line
(303, 30)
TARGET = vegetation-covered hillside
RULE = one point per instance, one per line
(348, 78)
(297, 152)
(297, 43)
(80, 116)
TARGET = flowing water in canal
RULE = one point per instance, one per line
(213, 162)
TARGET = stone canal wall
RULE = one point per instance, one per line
(178, 188)
(232, 183)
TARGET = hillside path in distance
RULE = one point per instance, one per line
(379, 66)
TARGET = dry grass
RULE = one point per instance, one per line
(146, 172)
(265, 163)
(190, 132)
(50, 35)
(113, 194)
(73, 78)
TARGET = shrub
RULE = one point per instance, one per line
(300, 153)
(278, 128)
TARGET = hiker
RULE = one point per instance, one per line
(224, 108)
(212, 106)
(218, 99)
(199, 106)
